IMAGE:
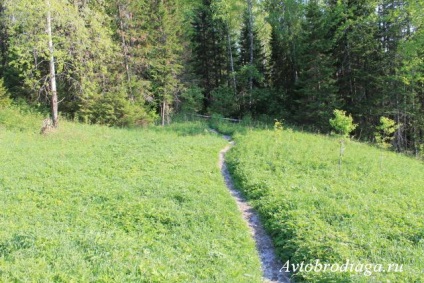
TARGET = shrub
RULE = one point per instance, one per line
(5, 100)
(342, 123)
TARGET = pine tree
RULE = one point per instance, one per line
(394, 28)
(132, 32)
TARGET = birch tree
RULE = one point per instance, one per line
(52, 69)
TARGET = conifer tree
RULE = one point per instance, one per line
(209, 50)
(284, 17)
(356, 55)
(316, 87)
(165, 55)
(3, 39)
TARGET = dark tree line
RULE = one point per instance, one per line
(364, 57)
(122, 62)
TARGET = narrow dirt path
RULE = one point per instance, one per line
(270, 264)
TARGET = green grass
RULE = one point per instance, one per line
(95, 204)
(363, 213)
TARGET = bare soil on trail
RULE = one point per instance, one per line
(270, 264)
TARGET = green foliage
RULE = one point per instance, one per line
(113, 205)
(224, 102)
(20, 117)
(209, 50)
(316, 87)
(312, 211)
(191, 100)
(386, 129)
(342, 123)
(309, 57)
(114, 109)
(96, 57)
(248, 72)
(5, 100)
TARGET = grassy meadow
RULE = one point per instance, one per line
(369, 211)
(95, 204)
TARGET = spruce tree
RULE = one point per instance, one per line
(209, 50)
(284, 18)
(257, 50)
(165, 56)
(252, 66)
(3, 39)
(357, 57)
(316, 86)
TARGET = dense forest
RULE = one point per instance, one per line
(133, 62)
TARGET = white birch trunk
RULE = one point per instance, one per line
(52, 69)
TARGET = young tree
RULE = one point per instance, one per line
(343, 125)
(386, 129)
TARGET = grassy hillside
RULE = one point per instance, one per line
(90, 203)
(369, 212)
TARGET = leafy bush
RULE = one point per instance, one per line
(5, 100)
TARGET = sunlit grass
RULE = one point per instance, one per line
(363, 212)
(94, 204)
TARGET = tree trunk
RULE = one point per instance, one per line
(163, 112)
(52, 69)
(230, 51)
